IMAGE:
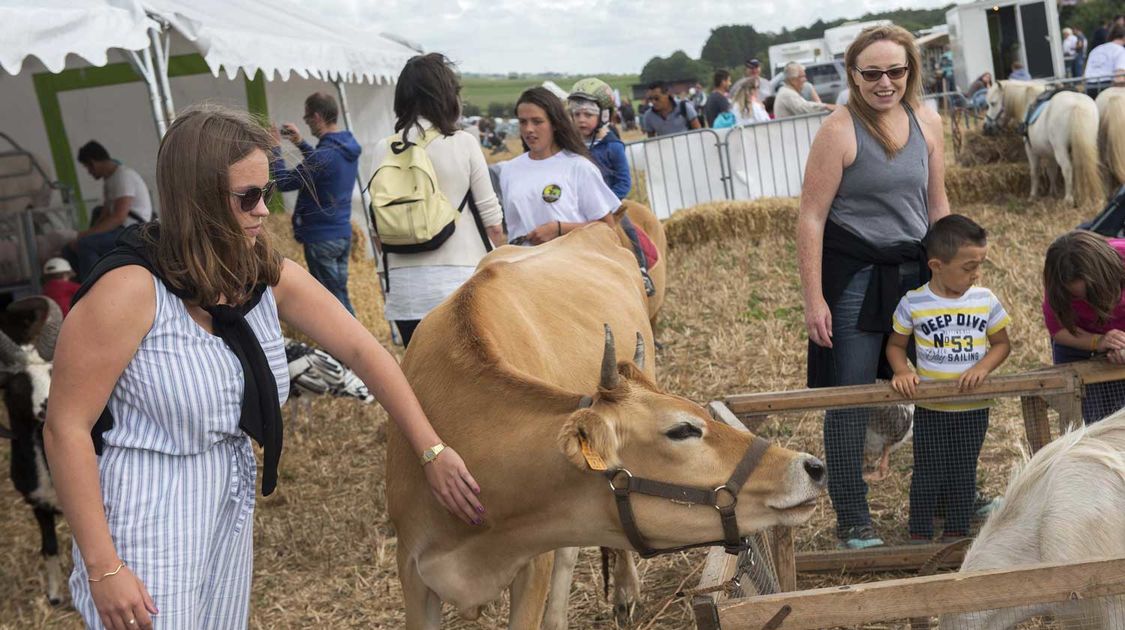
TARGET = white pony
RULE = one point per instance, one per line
(1111, 134)
(1067, 504)
(1065, 134)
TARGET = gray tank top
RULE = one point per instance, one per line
(885, 200)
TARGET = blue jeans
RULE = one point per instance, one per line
(857, 355)
(328, 263)
(84, 253)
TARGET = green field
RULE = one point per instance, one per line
(481, 91)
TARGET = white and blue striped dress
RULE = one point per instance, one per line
(178, 475)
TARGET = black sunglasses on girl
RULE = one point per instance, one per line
(893, 74)
(249, 198)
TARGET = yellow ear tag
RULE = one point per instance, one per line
(593, 460)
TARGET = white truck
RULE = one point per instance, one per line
(990, 36)
(842, 36)
(832, 46)
(804, 52)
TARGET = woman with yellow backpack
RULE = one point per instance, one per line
(436, 214)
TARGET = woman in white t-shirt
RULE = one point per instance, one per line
(1105, 66)
(554, 187)
(427, 101)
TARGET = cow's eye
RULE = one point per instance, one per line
(684, 431)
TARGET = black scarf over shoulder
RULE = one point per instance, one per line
(261, 413)
(845, 254)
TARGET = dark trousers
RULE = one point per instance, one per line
(84, 253)
(1100, 399)
(406, 329)
(946, 447)
(328, 263)
(857, 355)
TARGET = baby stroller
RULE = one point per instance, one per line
(1110, 222)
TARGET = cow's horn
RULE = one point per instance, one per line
(52, 317)
(609, 362)
(639, 352)
(12, 359)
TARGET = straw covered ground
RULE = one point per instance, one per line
(324, 549)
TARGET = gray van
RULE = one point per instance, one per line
(827, 77)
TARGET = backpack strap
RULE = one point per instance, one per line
(476, 219)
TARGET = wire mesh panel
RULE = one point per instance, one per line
(678, 171)
(768, 159)
(1100, 400)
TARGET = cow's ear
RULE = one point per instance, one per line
(589, 441)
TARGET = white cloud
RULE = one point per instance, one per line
(583, 36)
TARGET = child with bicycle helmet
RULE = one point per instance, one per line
(591, 105)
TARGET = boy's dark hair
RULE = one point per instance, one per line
(1117, 31)
(720, 76)
(951, 233)
(92, 151)
(323, 104)
(659, 85)
(428, 88)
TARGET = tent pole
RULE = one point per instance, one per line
(366, 197)
(160, 45)
(143, 65)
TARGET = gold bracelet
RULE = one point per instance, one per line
(110, 574)
(1094, 343)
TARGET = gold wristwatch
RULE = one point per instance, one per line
(431, 453)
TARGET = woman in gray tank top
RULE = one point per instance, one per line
(873, 184)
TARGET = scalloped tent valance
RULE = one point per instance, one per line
(281, 39)
(52, 29)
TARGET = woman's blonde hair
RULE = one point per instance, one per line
(858, 107)
(201, 248)
(1085, 256)
(744, 96)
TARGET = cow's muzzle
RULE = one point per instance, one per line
(723, 498)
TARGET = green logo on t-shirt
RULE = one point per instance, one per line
(551, 193)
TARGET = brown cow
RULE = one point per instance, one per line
(501, 368)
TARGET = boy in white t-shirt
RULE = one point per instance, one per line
(960, 333)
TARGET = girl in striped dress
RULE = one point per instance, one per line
(173, 359)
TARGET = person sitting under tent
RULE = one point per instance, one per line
(126, 202)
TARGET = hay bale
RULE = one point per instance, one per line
(981, 184)
(363, 281)
(1004, 148)
(744, 220)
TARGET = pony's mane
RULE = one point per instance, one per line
(1102, 442)
(1018, 95)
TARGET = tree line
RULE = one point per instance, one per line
(731, 45)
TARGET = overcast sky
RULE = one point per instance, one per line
(585, 36)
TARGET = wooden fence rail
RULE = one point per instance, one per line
(1060, 388)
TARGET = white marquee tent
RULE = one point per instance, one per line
(118, 70)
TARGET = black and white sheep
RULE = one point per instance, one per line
(28, 330)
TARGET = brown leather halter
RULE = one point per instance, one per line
(723, 498)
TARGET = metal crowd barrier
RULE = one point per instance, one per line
(679, 170)
(755, 160)
(739, 163)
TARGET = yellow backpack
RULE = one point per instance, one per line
(411, 213)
